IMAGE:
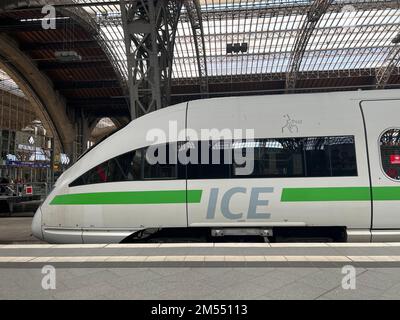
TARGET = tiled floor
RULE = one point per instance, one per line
(208, 271)
(200, 283)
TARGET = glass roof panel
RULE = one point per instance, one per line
(352, 34)
(7, 84)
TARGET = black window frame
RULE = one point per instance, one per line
(76, 182)
(232, 174)
(381, 162)
(183, 171)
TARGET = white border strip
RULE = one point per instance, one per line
(201, 245)
(199, 258)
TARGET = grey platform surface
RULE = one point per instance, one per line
(201, 271)
(16, 229)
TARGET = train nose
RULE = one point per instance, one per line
(37, 224)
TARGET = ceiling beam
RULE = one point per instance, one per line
(282, 8)
(107, 113)
(59, 45)
(84, 64)
(8, 25)
(99, 102)
(87, 84)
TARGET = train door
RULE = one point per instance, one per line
(314, 175)
(383, 136)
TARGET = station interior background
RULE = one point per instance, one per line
(65, 88)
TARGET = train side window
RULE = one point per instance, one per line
(130, 166)
(216, 163)
(98, 174)
(302, 157)
(390, 153)
(317, 155)
(137, 164)
(120, 168)
(279, 157)
(157, 163)
(343, 156)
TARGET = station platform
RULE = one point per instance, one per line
(201, 271)
(17, 229)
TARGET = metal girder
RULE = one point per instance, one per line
(312, 17)
(389, 65)
(149, 34)
(194, 14)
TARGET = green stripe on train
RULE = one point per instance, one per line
(194, 196)
(129, 197)
(340, 194)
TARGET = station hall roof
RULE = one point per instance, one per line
(350, 42)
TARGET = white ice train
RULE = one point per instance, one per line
(324, 163)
